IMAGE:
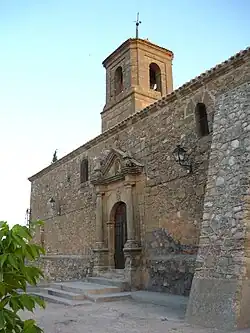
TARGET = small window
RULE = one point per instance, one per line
(201, 119)
(118, 80)
(154, 77)
(84, 171)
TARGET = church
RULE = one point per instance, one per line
(160, 197)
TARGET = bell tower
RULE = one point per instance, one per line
(138, 73)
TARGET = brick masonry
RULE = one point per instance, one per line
(167, 202)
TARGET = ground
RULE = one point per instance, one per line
(115, 317)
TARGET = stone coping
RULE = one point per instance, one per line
(180, 92)
(65, 256)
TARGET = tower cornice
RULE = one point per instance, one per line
(136, 42)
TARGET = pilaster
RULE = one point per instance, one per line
(100, 252)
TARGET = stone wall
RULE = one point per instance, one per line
(147, 54)
(134, 56)
(170, 265)
(223, 266)
(65, 268)
(170, 199)
(117, 109)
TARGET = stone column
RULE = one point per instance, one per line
(99, 223)
(101, 253)
(131, 242)
(220, 293)
(132, 251)
(111, 245)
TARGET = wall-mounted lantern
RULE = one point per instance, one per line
(55, 206)
(28, 217)
(181, 157)
(52, 202)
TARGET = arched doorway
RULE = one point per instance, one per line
(120, 234)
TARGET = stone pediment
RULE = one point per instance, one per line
(115, 166)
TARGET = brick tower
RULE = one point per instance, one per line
(138, 73)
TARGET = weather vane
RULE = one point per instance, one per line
(137, 22)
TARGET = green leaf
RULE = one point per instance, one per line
(32, 251)
(4, 302)
(29, 323)
(23, 283)
(8, 240)
(14, 304)
(10, 317)
(28, 255)
(21, 306)
(32, 273)
(19, 240)
(37, 223)
(16, 250)
(39, 301)
(33, 329)
(12, 281)
(36, 249)
(22, 231)
(2, 320)
(12, 261)
(28, 302)
(4, 227)
(2, 288)
(3, 258)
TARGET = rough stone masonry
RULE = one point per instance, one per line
(121, 202)
(220, 294)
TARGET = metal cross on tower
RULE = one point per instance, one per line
(137, 22)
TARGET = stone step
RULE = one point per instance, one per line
(60, 300)
(117, 274)
(109, 297)
(123, 285)
(98, 289)
(64, 294)
(85, 287)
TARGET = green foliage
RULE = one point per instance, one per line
(16, 249)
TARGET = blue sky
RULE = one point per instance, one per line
(52, 83)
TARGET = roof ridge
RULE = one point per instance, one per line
(214, 68)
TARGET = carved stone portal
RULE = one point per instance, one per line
(115, 183)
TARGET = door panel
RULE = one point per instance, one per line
(120, 235)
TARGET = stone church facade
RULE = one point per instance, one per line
(124, 202)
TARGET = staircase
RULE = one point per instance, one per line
(93, 289)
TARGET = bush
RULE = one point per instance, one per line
(16, 250)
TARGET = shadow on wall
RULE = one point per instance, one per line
(170, 264)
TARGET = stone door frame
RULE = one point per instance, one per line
(107, 201)
(120, 187)
(119, 232)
